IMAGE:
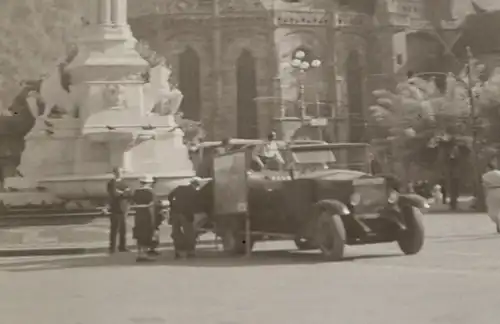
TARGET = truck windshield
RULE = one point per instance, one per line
(348, 158)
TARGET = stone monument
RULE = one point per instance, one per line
(108, 117)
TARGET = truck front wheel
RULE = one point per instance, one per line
(330, 235)
(411, 240)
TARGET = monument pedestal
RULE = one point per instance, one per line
(50, 149)
(73, 157)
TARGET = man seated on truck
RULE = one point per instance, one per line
(267, 155)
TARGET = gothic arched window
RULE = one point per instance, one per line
(190, 84)
(246, 80)
(354, 78)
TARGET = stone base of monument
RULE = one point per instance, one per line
(68, 162)
(109, 117)
(74, 192)
(94, 187)
(29, 198)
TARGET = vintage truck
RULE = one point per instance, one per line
(323, 198)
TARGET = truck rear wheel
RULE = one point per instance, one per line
(330, 235)
(411, 240)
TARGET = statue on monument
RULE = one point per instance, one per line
(160, 97)
(56, 93)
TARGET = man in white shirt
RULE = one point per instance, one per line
(268, 152)
(491, 184)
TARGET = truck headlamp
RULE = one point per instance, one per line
(355, 199)
(393, 197)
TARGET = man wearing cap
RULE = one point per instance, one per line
(268, 154)
(183, 204)
(119, 194)
(144, 200)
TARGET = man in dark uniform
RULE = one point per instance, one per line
(119, 193)
(183, 204)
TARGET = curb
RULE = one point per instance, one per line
(58, 251)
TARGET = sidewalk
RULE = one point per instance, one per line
(70, 239)
(464, 206)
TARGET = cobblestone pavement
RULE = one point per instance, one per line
(454, 280)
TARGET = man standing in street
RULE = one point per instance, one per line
(184, 204)
(119, 194)
(491, 184)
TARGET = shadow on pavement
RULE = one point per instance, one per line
(204, 258)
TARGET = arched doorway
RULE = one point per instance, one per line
(246, 80)
(189, 84)
(354, 80)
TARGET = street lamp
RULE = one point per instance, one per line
(300, 63)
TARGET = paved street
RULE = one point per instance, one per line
(456, 279)
(90, 235)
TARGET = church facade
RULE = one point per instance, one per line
(231, 58)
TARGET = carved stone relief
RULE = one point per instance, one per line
(113, 96)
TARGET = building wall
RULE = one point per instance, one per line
(380, 41)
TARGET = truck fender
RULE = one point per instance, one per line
(413, 200)
(334, 206)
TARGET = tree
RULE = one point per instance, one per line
(430, 126)
(489, 101)
(34, 34)
(433, 127)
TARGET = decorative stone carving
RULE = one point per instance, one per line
(351, 19)
(159, 97)
(302, 18)
(32, 100)
(411, 8)
(55, 96)
(113, 96)
(169, 103)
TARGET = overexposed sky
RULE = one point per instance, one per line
(464, 7)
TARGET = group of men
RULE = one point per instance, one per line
(149, 212)
(149, 215)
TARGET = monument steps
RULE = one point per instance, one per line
(40, 217)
